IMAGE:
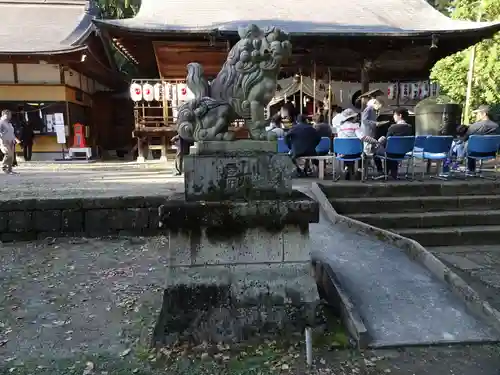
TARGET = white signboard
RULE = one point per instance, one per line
(60, 133)
(58, 119)
(49, 119)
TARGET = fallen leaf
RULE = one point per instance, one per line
(125, 352)
(89, 368)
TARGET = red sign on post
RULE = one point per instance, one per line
(79, 137)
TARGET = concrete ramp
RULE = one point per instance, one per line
(399, 301)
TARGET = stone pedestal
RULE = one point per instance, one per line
(238, 249)
(241, 170)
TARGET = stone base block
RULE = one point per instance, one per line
(230, 304)
(252, 246)
(248, 174)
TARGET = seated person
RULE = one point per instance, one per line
(349, 127)
(323, 129)
(337, 118)
(458, 145)
(401, 128)
(483, 126)
(276, 125)
(302, 140)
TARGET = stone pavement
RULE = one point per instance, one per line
(477, 265)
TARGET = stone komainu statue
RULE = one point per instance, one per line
(242, 89)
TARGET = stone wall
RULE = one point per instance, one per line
(28, 219)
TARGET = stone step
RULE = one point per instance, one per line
(372, 189)
(349, 206)
(454, 236)
(430, 219)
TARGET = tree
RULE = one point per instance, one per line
(442, 5)
(115, 9)
(451, 72)
(118, 8)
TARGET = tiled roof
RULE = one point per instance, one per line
(394, 17)
(43, 26)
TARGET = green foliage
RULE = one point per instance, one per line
(451, 72)
(442, 5)
(118, 8)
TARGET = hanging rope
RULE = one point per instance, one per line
(35, 110)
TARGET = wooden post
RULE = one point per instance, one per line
(164, 141)
(314, 88)
(470, 77)
(365, 82)
(301, 99)
(140, 151)
(165, 102)
(330, 96)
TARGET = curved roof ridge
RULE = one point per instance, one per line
(298, 17)
(44, 26)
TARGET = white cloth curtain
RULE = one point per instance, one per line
(289, 86)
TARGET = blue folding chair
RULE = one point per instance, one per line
(437, 148)
(418, 148)
(323, 146)
(397, 146)
(282, 147)
(479, 145)
(349, 146)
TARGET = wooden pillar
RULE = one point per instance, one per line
(365, 82)
(140, 151)
(163, 148)
(330, 96)
(314, 88)
(301, 99)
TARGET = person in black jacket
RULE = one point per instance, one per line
(182, 149)
(483, 126)
(302, 140)
(401, 128)
(324, 129)
(27, 135)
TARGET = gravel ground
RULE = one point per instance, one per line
(45, 180)
(86, 306)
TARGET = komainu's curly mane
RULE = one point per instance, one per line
(247, 64)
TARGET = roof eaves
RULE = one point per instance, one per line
(46, 53)
(117, 25)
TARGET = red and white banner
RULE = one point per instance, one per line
(392, 91)
(404, 90)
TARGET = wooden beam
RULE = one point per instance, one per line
(106, 41)
(16, 73)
